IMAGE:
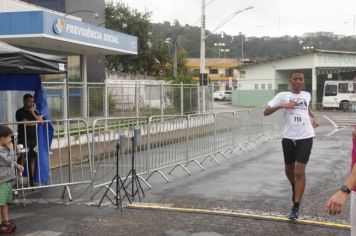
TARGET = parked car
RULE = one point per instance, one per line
(222, 95)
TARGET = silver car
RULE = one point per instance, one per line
(222, 95)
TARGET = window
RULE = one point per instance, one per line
(213, 71)
(242, 74)
(256, 86)
(330, 90)
(196, 72)
(263, 86)
(282, 87)
(269, 86)
(229, 72)
(343, 88)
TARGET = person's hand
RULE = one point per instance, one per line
(32, 110)
(20, 168)
(10, 146)
(336, 203)
(289, 105)
(315, 122)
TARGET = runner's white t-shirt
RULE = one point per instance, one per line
(297, 124)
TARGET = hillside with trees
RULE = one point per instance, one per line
(156, 42)
(263, 47)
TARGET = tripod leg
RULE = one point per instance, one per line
(125, 191)
(106, 191)
(140, 186)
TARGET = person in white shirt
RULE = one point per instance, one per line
(298, 133)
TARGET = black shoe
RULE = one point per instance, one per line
(294, 213)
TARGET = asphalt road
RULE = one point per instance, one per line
(252, 182)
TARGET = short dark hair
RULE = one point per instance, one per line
(27, 96)
(5, 131)
(296, 72)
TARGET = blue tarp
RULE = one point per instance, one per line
(32, 82)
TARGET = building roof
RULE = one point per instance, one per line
(212, 62)
(299, 54)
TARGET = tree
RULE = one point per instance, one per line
(151, 58)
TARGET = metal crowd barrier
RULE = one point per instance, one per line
(64, 162)
(176, 141)
(81, 154)
(105, 137)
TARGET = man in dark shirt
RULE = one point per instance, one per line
(27, 133)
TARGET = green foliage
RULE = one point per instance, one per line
(151, 58)
(262, 47)
(96, 103)
(190, 95)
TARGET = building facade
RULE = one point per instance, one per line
(221, 71)
(259, 82)
(77, 32)
(93, 13)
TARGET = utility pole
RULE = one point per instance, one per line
(175, 57)
(242, 45)
(203, 75)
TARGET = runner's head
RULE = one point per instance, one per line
(297, 81)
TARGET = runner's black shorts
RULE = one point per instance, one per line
(297, 150)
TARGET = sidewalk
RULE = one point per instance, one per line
(252, 182)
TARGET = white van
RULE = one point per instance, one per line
(339, 94)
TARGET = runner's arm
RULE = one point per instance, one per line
(314, 120)
(337, 201)
(270, 110)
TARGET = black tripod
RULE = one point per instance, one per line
(135, 180)
(119, 185)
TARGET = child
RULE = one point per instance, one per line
(7, 176)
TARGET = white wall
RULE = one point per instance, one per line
(270, 72)
(257, 74)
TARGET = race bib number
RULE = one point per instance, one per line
(297, 119)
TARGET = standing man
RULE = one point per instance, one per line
(298, 133)
(28, 113)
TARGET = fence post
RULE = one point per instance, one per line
(212, 97)
(187, 140)
(198, 87)
(136, 99)
(161, 99)
(214, 133)
(106, 99)
(148, 153)
(65, 100)
(85, 89)
(181, 99)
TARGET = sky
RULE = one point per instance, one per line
(266, 18)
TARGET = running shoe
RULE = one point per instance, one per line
(294, 213)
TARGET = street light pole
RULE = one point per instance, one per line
(242, 45)
(202, 53)
(202, 42)
(203, 75)
(175, 43)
